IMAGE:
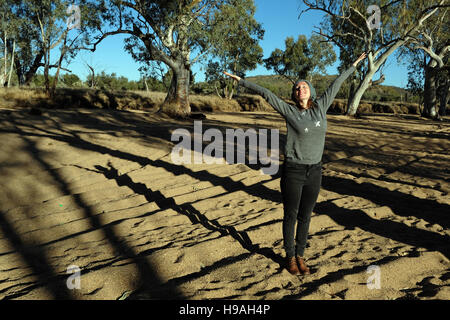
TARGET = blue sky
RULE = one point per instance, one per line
(279, 20)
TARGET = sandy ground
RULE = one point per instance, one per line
(98, 190)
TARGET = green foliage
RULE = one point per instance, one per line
(153, 84)
(70, 80)
(238, 51)
(38, 27)
(351, 34)
(113, 82)
(103, 80)
(38, 80)
(301, 58)
(293, 62)
(164, 34)
(416, 76)
(437, 28)
(67, 80)
(276, 84)
(203, 88)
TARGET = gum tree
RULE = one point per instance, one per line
(433, 44)
(301, 58)
(8, 34)
(43, 26)
(175, 33)
(239, 51)
(349, 22)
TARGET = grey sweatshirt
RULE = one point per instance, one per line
(306, 129)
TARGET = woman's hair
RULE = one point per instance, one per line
(294, 98)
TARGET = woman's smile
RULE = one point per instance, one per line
(302, 90)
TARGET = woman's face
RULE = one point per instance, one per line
(302, 91)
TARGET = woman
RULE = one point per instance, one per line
(302, 169)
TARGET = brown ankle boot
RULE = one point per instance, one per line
(302, 266)
(292, 267)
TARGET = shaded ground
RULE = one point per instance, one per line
(98, 189)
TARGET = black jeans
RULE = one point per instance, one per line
(300, 186)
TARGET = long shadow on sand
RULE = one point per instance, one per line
(344, 217)
(401, 204)
(389, 229)
(312, 286)
(147, 276)
(187, 210)
(36, 258)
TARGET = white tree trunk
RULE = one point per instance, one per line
(354, 101)
(12, 63)
(5, 74)
(365, 83)
(217, 91)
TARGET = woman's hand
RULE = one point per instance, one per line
(361, 57)
(232, 76)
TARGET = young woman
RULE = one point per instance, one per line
(301, 177)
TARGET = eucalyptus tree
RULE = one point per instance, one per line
(44, 27)
(174, 33)
(29, 48)
(430, 52)
(351, 26)
(239, 51)
(301, 58)
(8, 35)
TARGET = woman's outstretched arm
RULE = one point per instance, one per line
(327, 98)
(276, 103)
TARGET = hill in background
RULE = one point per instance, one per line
(282, 87)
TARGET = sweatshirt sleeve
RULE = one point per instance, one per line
(278, 104)
(327, 98)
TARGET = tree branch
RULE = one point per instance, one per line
(154, 52)
(424, 16)
(377, 82)
(104, 36)
(312, 7)
(330, 38)
(361, 29)
(50, 66)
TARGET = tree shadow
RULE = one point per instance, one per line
(385, 161)
(195, 217)
(345, 217)
(36, 258)
(74, 140)
(312, 286)
(401, 204)
(391, 129)
(384, 178)
(389, 229)
(187, 210)
(148, 277)
(164, 132)
(358, 170)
